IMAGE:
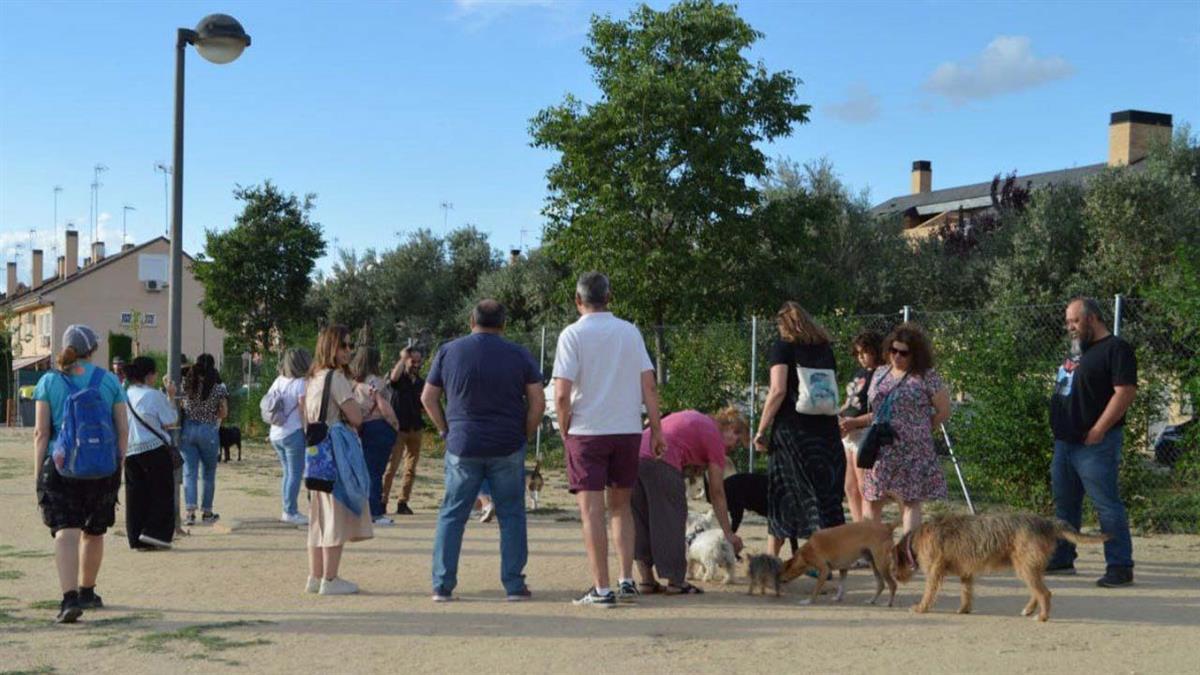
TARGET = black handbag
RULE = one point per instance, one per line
(880, 433)
(317, 431)
(176, 456)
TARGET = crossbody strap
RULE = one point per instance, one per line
(885, 406)
(136, 416)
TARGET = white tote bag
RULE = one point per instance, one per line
(818, 393)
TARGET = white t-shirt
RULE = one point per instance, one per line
(156, 411)
(290, 390)
(604, 357)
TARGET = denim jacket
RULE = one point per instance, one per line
(353, 482)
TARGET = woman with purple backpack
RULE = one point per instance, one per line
(78, 510)
(283, 408)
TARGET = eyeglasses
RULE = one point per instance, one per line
(900, 352)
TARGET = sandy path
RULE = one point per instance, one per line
(162, 606)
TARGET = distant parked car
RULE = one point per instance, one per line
(1172, 443)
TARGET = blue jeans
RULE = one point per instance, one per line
(378, 437)
(1079, 469)
(291, 457)
(200, 447)
(464, 476)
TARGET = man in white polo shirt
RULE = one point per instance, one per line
(602, 376)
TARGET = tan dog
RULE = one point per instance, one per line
(536, 483)
(969, 546)
(837, 548)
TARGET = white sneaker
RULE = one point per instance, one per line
(337, 586)
(313, 586)
(294, 519)
(485, 516)
(384, 521)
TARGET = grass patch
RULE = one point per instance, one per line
(36, 671)
(44, 604)
(10, 467)
(10, 575)
(124, 620)
(199, 636)
(256, 491)
(110, 641)
(7, 551)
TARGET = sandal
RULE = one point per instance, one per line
(685, 589)
(651, 588)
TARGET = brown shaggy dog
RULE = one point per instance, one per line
(969, 546)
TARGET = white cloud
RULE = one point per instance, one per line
(859, 107)
(1006, 65)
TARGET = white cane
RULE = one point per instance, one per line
(958, 470)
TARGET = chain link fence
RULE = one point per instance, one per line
(999, 364)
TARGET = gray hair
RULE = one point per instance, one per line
(1089, 306)
(295, 362)
(593, 289)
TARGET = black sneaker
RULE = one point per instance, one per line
(69, 611)
(402, 509)
(1116, 577)
(520, 596)
(210, 518)
(1067, 570)
(89, 600)
(591, 597)
(627, 591)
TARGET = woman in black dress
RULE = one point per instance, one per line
(806, 466)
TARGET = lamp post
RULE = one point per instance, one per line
(220, 39)
(161, 167)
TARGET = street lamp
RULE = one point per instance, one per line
(220, 39)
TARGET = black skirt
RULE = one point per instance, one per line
(806, 474)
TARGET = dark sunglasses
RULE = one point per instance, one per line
(901, 352)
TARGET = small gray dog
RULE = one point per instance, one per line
(763, 569)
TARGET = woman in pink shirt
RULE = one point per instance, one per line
(694, 441)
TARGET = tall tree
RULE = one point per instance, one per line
(653, 181)
(256, 274)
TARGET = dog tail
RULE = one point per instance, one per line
(1065, 531)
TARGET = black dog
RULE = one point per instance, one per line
(231, 436)
(747, 492)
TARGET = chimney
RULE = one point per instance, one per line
(11, 289)
(87, 262)
(514, 256)
(97, 251)
(72, 261)
(36, 281)
(922, 176)
(126, 247)
(59, 268)
(1131, 133)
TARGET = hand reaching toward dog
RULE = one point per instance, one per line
(736, 542)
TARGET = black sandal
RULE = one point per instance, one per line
(685, 589)
(651, 588)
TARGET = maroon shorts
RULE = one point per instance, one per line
(597, 462)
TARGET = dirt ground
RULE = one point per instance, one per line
(230, 598)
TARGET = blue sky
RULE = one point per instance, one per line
(387, 109)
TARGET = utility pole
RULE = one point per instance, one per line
(446, 208)
(54, 245)
(96, 185)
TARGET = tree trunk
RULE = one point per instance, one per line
(660, 347)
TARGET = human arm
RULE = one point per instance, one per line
(385, 408)
(941, 407)
(397, 371)
(1122, 398)
(562, 405)
(650, 398)
(720, 506)
(351, 412)
(848, 424)
(41, 437)
(120, 411)
(537, 407)
(775, 396)
(431, 400)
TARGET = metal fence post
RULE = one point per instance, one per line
(1117, 304)
(541, 367)
(907, 311)
(753, 383)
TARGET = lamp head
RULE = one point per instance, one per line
(220, 38)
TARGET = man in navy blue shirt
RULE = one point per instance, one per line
(494, 402)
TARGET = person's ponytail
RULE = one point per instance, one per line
(67, 358)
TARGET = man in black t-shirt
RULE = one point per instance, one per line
(406, 384)
(1093, 389)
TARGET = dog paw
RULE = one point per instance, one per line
(871, 601)
(964, 610)
(918, 609)
(806, 601)
(1026, 612)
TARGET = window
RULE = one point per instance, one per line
(152, 267)
(149, 319)
(44, 324)
(126, 318)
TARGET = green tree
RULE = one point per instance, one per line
(654, 181)
(532, 291)
(256, 274)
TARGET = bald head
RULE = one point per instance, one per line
(488, 315)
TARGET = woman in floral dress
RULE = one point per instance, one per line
(908, 469)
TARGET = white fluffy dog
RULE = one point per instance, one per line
(710, 550)
(698, 522)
